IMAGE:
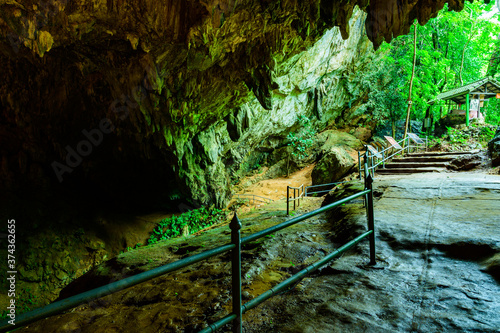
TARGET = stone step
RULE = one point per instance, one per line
(393, 171)
(440, 153)
(424, 159)
(397, 165)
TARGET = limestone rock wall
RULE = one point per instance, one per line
(126, 100)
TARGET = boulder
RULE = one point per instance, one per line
(332, 138)
(494, 148)
(334, 165)
(465, 162)
(450, 120)
(362, 133)
(493, 266)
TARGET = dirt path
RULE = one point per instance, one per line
(274, 189)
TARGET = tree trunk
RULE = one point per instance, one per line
(463, 52)
(411, 80)
(493, 64)
(463, 58)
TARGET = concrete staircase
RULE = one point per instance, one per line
(420, 162)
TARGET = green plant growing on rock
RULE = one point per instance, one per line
(26, 301)
(303, 139)
(456, 136)
(186, 223)
(486, 134)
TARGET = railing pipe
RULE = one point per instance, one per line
(294, 201)
(73, 301)
(366, 173)
(234, 246)
(325, 191)
(300, 275)
(373, 168)
(291, 280)
(371, 219)
(218, 324)
(300, 218)
(254, 197)
(359, 164)
(235, 227)
(287, 201)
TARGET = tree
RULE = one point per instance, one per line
(450, 49)
(411, 79)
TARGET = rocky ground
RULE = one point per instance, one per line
(438, 263)
(438, 252)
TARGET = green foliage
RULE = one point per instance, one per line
(383, 83)
(456, 136)
(440, 46)
(486, 134)
(492, 111)
(253, 162)
(195, 220)
(26, 301)
(303, 139)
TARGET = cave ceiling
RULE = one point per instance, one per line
(160, 71)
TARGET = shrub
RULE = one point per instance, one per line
(456, 136)
(195, 220)
(303, 139)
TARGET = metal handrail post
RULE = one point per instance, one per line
(235, 227)
(371, 219)
(294, 197)
(383, 159)
(370, 162)
(372, 166)
(298, 198)
(359, 165)
(301, 193)
(366, 172)
(287, 201)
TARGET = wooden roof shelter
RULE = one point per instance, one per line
(483, 89)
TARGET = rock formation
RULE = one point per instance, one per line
(129, 103)
(494, 148)
(128, 100)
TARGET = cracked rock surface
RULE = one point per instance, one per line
(437, 268)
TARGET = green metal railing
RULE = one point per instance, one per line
(387, 154)
(328, 187)
(375, 160)
(252, 197)
(298, 193)
(235, 246)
